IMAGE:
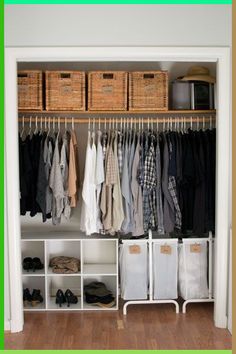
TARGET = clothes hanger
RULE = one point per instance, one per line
(36, 125)
(23, 127)
(197, 123)
(164, 124)
(59, 124)
(45, 123)
(49, 126)
(89, 125)
(41, 125)
(191, 123)
(110, 123)
(203, 123)
(93, 125)
(53, 125)
(65, 124)
(168, 123)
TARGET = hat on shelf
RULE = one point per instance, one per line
(198, 73)
(97, 288)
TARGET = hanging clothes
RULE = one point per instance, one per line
(73, 177)
(117, 205)
(89, 206)
(48, 155)
(134, 181)
(99, 179)
(137, 193)
(56, 185)
(42, 181)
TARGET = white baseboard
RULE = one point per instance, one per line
(7, 326)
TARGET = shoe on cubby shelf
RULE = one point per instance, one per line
(32, 263)
(34, 299)
(68, 297)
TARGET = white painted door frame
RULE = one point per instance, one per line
(220, 55)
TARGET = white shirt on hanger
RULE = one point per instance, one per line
(89, 205)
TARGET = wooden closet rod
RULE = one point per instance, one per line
(117, 120)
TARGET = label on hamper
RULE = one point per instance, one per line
(166, 249)
(134, 249)
(107, 89)
(195, 248)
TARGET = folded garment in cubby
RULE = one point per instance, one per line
(65, 265)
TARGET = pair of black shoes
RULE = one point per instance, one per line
(32, 299)
(102, 301)
(68, 297)
(32, 264)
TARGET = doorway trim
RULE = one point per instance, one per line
(219, 55)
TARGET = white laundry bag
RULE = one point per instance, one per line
(193, 269)
(165, 269)
(134, 270)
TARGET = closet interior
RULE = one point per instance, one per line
(99, 262)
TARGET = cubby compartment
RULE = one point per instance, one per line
(32, 249)
(32, 283)
(64, 282)
(57, 248)
(99, 257)
(110, 283)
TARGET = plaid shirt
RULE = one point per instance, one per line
(148, 182)
(120, 152)
(111, 171)
(173, 193)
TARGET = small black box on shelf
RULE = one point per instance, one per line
(202, 95)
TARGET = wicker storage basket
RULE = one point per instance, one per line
(30, 89)
(107, 90)
(65, 90)
(148, 90)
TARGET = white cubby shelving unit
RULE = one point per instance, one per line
(98, 262)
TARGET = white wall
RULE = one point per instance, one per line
(131, 25)
(162, 25)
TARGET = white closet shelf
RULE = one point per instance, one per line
(51, 273)
(100, 269)
(118, 112)
(39, 307)
(37, 273)
(98, 308)
(60, 235)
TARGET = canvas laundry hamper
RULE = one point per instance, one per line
(165, 269)
(134, 270)
(193, 269)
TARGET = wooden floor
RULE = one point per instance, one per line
(144, 327)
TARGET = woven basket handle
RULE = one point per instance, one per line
(22, 75)
(108, 76)
(65, 76)
(148, 76)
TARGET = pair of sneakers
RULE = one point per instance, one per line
(32, 299)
